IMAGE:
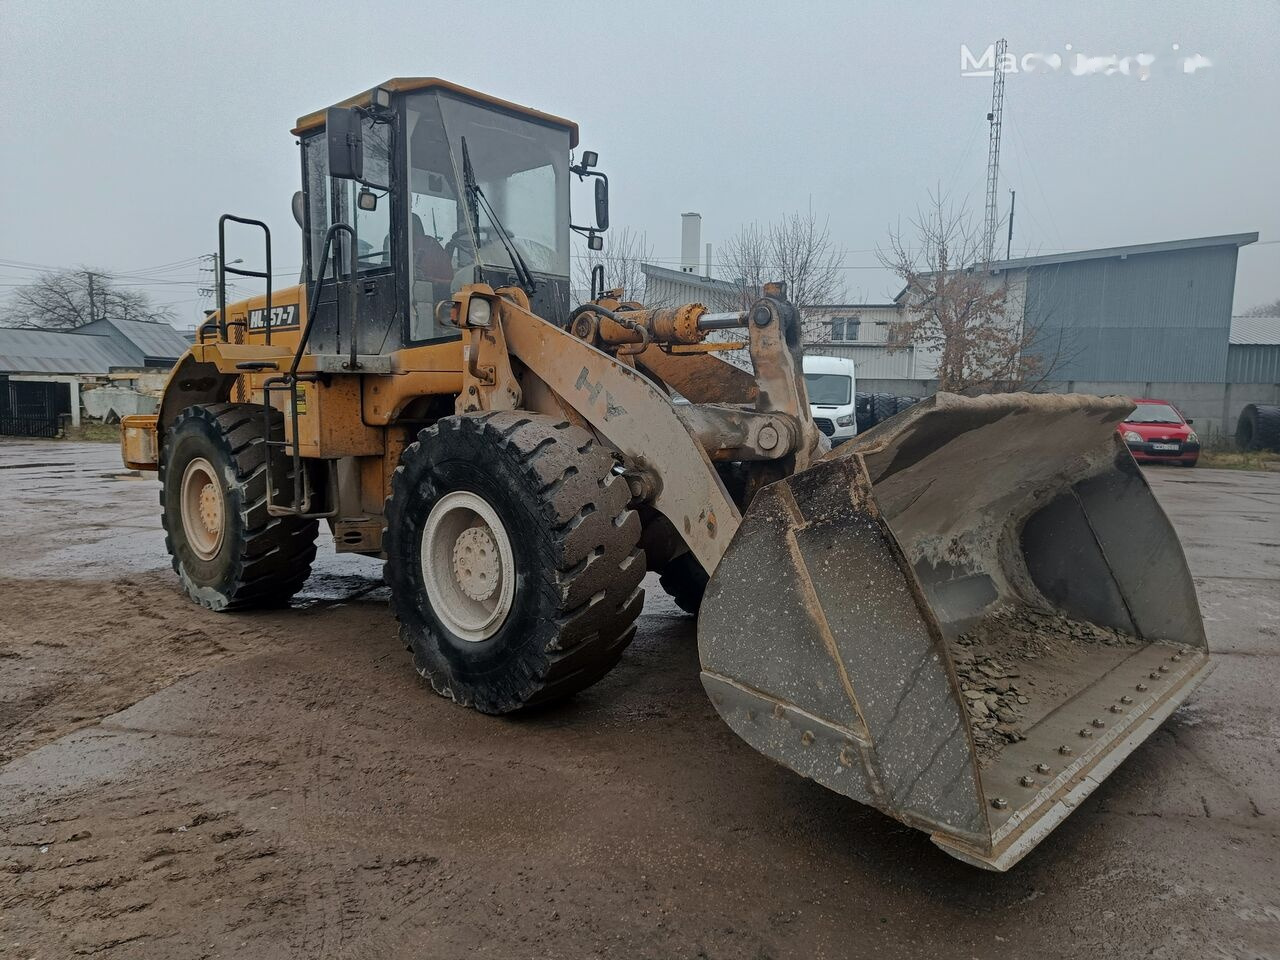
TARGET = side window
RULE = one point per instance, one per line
(373, 227)
(844, 329)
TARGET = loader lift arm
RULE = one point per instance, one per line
(634, 416)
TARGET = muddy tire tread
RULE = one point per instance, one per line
(276, 553)
(587, 538)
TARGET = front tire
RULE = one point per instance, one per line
(512, 558)
(227, 550)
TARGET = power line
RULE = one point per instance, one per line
(1035, 177)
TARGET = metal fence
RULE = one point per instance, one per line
(32, 408)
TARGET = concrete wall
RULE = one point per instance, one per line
(114, 402)
(899, 388)
(1214, 407)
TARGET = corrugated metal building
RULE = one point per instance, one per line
(863, 333)
(41, 371)
(664, 287)
(1143, 320)
(1156, 311)
(1253, 353)
(153, 344)
(1149, 319)
(94, 348)
(44, 351)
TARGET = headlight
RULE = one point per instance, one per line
(479, 312)
(1131, 436)
(845, 421)
(1191, 437)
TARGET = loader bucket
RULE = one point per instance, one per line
(966, 617)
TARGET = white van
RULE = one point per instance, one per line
(831, 384)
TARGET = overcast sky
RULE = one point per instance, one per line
(130, 126)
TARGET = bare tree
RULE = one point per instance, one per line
(745, 262)
(66, 299)
(956, 309)
(798, 250)
(1271, 309)
(621, 258)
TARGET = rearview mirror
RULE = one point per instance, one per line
(602, 203)
(346, 143)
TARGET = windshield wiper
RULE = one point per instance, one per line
(478, 200)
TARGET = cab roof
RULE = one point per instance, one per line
(314, 121)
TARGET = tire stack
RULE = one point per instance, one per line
(1259, 427)
(874, 408)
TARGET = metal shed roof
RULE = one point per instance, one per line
(1255, 330)
(1123, 253)
(44, 351)
(1133, 250)
(157, 340)
(689, 279)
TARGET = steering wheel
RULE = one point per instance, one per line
(461, 243)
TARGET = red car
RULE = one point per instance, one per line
(1156, 432)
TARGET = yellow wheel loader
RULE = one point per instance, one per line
(965, 618)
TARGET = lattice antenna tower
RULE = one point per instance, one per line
(992, 218)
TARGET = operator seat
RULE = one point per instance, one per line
(430, 262)
(432, 275)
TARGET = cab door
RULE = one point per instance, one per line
(368, 206)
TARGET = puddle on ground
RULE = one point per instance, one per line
(324, 589)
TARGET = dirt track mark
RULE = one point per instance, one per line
(70, 671)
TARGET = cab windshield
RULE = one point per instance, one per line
(523, 169)
(521, 166)
(1154, 413)
(827, 389)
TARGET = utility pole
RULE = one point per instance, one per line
(212, 289)
(992, 219)
(1013, 198)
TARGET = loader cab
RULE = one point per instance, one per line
(419, 234)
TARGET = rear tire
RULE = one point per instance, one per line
(685, 581)
(550, 601)
(228, 552)
(1258, 427)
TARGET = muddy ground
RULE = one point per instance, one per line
(175, 783)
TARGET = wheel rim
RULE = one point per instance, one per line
(203, 509)
(467, 566)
